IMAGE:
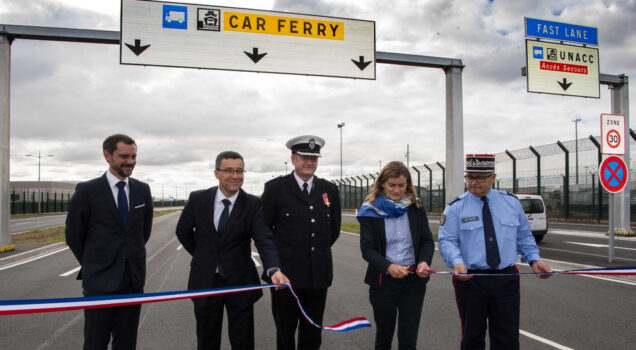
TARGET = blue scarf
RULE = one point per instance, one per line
(383, 207)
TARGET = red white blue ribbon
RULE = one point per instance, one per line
(28, 306)
(614, 271)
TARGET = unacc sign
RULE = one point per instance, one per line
(215, 37)
(562, 69)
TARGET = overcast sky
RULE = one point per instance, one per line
(66, 98)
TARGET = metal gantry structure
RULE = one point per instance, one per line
(452, 68)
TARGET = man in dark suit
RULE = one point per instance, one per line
(108, 224)
(216, 227)
(303, 212)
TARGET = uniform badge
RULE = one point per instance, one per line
(326, 199)
(312, 144)
(470, 218)
(442, 220)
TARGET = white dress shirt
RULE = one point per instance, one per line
(300, 182)
(219, 206)
(112, 182)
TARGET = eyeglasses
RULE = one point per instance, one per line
(478, 179)
(230, 171)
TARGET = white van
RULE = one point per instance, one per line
(535, 211)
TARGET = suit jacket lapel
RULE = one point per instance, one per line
(412, 213)
(112, 205)
(208, 206)
(236, 212)
(316, 191)
(294, 188)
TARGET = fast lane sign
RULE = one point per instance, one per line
(562, 69)
(612, 134)
(613, 174)
(158, 33)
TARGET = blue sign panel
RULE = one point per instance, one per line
(175, 17)
(561, 31)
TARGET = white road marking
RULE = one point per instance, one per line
(580, 253)
(598, 245)
(31, 251)
(37, 257)
(255, 261)
(543, 340)
(69, 272)
(587, 234)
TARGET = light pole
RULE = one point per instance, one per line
(39, 157)
(285, 168)
(340, 126)
(576, 147)
(379, 161)
(407, 155)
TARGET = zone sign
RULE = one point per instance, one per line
(612, 134)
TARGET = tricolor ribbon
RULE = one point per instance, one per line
(28, 306)
(614, 271)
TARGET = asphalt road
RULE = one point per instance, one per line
(29, 224)
(563, 312)
(40, 222)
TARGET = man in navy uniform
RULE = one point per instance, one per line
(484, 231)
(303, 212)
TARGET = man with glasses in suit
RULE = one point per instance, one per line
(216, 227)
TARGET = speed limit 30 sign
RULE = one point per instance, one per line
(612, 134)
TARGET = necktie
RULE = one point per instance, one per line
(122, 202)
(492, 250)
(222, 223)
(305, 189)
(224, 215)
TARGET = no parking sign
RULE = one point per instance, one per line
(612, 134)
(613, 174)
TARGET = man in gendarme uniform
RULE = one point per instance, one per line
(303, 212)
(483, 231)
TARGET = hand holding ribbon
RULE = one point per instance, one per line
(541, 269)
(279, 280)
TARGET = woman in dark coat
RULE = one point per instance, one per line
(396, 241)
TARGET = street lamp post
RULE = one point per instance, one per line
(39, 157)
(285, 168)
(340, 126)
(576, 147)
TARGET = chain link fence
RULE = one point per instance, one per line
(565, 174)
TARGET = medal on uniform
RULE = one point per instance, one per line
(326, 199)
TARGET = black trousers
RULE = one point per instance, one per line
(398, 300)
(288, 317)
(491, 299)
(119, 322)
(209, 316)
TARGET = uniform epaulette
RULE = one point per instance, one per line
(453, 201)
(511, 194)
(277, 178)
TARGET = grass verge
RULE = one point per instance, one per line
(45, 235)
(350, 227)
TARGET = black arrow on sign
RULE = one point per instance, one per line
(138, 49)
(255, 56)
(564, 85)
(361, 64)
